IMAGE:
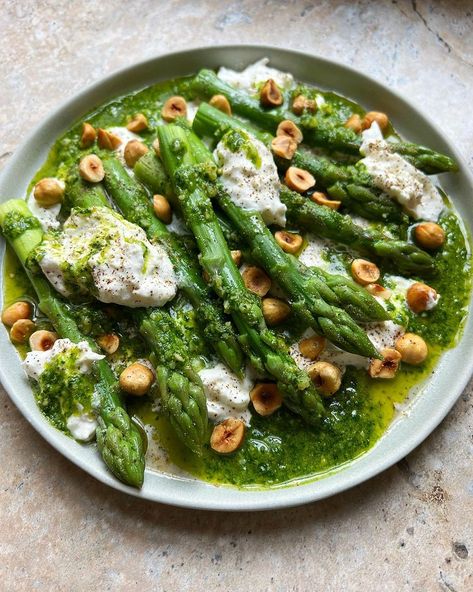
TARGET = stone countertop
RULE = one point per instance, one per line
(410, 528)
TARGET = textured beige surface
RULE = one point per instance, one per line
(408, 529)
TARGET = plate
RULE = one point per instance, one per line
(425, 410)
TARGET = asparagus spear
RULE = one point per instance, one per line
(118, 439)
(136, 207)
(180, 387)
(317, 131)
(345, 183)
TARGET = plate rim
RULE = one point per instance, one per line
(201, 495)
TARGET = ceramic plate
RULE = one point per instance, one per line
(425, 410)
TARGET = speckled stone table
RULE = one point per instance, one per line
(409, 529)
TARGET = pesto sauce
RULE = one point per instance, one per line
(279, 449)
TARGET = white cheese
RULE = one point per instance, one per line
(313, 254)
(124, 267)
(192, 107)
(249, 78)
(47, 216)
(227, 395)
(35, 361)
(399, 178)
(82, 426)
(250, 186)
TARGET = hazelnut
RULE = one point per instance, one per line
(312, 347)
(320, 198)
(266, 398)
(388, 366)
(256, 280)
(421, 297)
(354, 123)
(138, 124)
(429, 235)
(270, 95)
(228, 435)
(288, 241)
(302, 103)
(298, 179)
(173, 108)
(162, 209)
(15, 312)
(107, 140)
(221, 103)
(284, 147)
(380, 118)
(88, 136)
(364, 272)
(379, 291)
(412, 348)
(21, 330)
(326, 377)
(91, 168)
(134, 150)
(136, 380)
(109, 343)
(236, 256)
(49, 192)
(42, 340)
(275, 311)
(289, 128)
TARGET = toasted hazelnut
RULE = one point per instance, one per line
(283, 146)
(387, 367)
(173, 108)
(320, 198)
(91, 168)
(290, 129)
(236, 256)
(288, 241)
(354, 123)
(302, 103)
(138, 124)
(21, 330)
(326, 377)
(379, 291)
(156, 148)
(221, 103)
(266, 398)
(162, 208)
(228, 435)
(136, 380)
(49, 192)
(381, 119)
(275, 311)
(109, 342)
(134, 150)
(107, 140)
(15, 312)
(429, 235)
(312, 347)
(412, 348)
(256, 280)
(364, 272)
(298, 179)
(270, 95)
(421, 297)
(42, 340)
(89, 135)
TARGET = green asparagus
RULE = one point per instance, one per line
(317, 130)
(118, 439)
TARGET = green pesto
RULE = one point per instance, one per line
(240, 141)
(16, 225)
(279, 449)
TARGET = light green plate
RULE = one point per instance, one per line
(426, 409)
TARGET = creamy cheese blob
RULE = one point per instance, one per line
(47, 216)
(399, 178)
(82, 425)
(254, 74)
(250, 177)
(99, 251)
(227, 395)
